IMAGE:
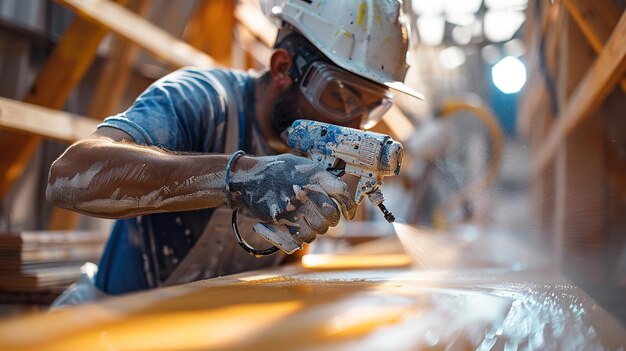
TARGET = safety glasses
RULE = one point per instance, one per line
(342, 96)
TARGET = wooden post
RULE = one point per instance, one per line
(598, 82)
(580, 213)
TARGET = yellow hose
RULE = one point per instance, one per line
(450, 109)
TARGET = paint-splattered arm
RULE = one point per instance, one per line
(112, 179)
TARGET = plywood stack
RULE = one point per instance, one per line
(45, 261)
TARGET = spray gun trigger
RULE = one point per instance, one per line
(338, 169)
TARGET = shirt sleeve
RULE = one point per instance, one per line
(178, 112)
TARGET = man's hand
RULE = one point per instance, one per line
(292, 191)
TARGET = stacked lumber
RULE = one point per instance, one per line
(44, 261)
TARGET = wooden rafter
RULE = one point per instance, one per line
(141, 32)
(43, 122)
(61, 73)
(596, 20)
(118, 63)
(599, 80)
(251, 17)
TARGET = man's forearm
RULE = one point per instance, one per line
(119, 180)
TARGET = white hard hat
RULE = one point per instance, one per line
(368, 37)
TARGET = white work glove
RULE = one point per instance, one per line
(291, 191)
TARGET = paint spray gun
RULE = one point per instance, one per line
(367, 155)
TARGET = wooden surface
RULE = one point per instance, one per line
(489, 291)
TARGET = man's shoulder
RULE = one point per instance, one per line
(210, 73)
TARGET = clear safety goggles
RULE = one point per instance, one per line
(342, 96)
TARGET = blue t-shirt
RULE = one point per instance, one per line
(185, 111)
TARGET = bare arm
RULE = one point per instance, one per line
(107, 175)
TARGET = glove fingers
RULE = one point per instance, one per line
(338, 190)
(303, 231)
(316, 221)
(327, 210)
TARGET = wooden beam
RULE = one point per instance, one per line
(43, 122)
(106, 98)
(210, 29)
(60, 74)
(257, 54)
(596, 20)
(590, 93)
(396, 124)
(535, 96)
(251, 17)
(141, 32)
(580, 172)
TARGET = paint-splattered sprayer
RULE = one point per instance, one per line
(367, 155)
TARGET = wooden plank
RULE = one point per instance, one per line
(601, 78)
(596, 19)
(140, 32)
(62, 71)
(333, 309)
(44, 122)
(210, 29)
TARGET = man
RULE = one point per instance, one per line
(161, 166)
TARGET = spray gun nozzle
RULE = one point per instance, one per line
(388, 215)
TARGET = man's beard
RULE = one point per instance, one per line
(285, 110)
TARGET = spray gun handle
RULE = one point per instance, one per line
(281, 239)
(272, 233)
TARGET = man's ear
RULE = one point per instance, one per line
(280, 63)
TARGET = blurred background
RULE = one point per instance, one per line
(523, 130)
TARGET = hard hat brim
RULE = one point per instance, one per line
(405, 89)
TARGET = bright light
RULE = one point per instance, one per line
(506, 4)
(501, 25)
(461, 6)
(462, 35)
(509, 75)
(427, 7)
(431, 29)
(491, 54)
(514, 47)
(451, 57)
(461, 19)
